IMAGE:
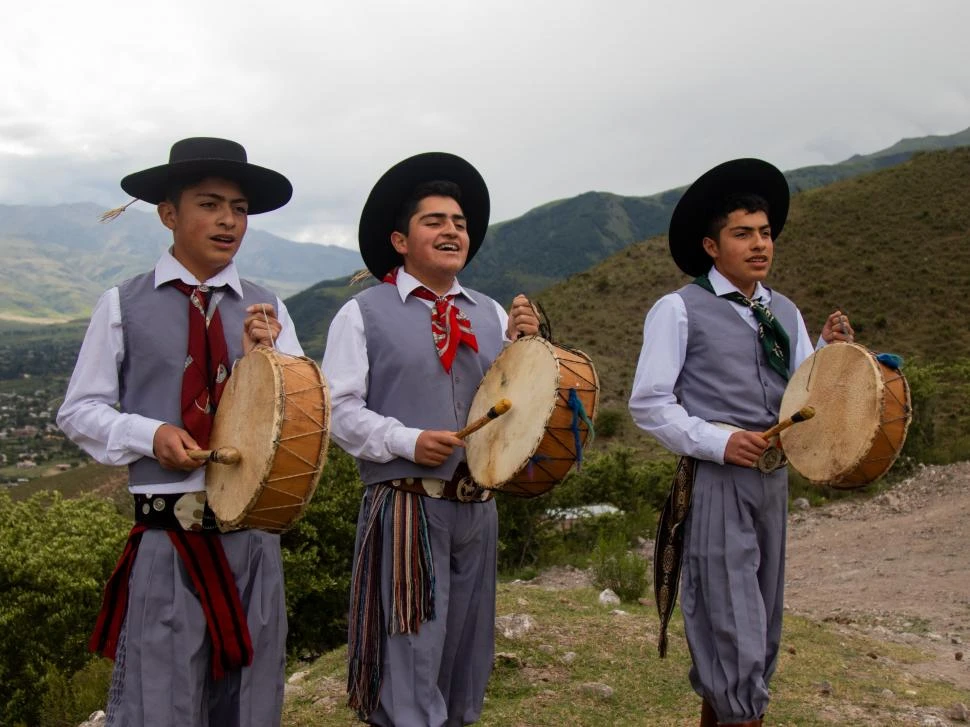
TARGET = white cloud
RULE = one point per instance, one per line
(549, 99)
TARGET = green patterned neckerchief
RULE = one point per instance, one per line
(771, 333)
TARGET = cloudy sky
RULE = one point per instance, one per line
(548, 98)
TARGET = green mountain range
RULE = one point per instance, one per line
(566, 237)
(59, 259)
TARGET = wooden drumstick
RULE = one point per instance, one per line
(806, 412)
(223, 455)
(496, 411)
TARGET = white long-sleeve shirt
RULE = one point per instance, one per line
(359, 431)
(654, 406)
(89, 416)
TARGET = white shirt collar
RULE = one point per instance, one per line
(722, 286)
(407, 283)
(168, 269)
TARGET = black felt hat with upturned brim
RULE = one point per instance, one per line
(702, 200)
(384, 203)
(204, 156)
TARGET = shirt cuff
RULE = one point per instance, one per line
(718, 444)
(141, 435)
(402, 442)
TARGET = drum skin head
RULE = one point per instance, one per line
(861, 415)
(529, 450)
(527, 374)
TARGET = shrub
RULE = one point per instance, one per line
(610, 421)
(617, 568)
(528, 536)
(55, 557)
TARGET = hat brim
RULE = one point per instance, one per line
(694, 211)
(265, 189)
(396, 185)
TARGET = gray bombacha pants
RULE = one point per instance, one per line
(732, 592)
(162, 675)
(437, 677)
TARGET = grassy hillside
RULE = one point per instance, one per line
(891, 248)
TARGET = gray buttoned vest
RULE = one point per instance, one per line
(726, 377)
(155, 322)
(406, 379)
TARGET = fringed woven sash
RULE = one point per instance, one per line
(669, 547)
(412, 601)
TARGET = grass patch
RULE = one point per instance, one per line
(537, 681)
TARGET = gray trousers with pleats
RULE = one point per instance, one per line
(732, 591)
(162, 674)
(437, 677)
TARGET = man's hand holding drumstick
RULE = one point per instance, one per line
(437, 446)
(744, 447)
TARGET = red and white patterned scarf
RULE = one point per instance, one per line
(449, 326)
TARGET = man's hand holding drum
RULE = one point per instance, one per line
(838, 328)
(523, 320)
(261, 327)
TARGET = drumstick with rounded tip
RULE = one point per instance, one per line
(496, 411)
(806, 412)
(223, 455)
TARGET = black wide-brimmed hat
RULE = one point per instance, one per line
(207, 156)
(384, 204)
(702, 200)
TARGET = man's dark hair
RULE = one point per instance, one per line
(434, 188)
(178, 184)
(739, 201)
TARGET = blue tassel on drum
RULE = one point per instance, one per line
(891, 360)
(579, 413)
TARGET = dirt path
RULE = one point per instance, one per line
(895, 566)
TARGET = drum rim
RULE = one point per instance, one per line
(880, 389)
(554, 350)
(226, 524)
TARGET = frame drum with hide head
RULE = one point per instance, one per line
(276, 411)
(553, 392)
(862, 411)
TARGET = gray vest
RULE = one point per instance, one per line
(406, 379)
(726, 377)
(155, 323)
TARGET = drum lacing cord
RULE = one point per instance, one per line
(579, 413)
(272, 340)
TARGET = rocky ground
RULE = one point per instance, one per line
(895, 567)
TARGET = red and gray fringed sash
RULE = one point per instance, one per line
(412, 590)
(207, 566)
(669, 547)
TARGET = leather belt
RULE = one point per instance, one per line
(461, 487)
(176, 511)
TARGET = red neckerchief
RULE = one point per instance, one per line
(449, 326)
(206, 364)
